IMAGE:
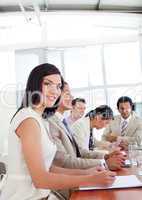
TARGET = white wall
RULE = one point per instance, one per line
(7, 94)
(7, 109)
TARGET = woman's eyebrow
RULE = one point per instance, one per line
(50, 81)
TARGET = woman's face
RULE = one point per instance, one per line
(66, 98)
(51, 89)
(99, 122)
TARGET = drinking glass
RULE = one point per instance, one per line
(139, 162)
(132, 154)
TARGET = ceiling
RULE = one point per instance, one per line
(58, 23)
(50, 5)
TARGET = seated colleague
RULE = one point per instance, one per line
(83, 128)
(125, 128)
(69, 155)
(31, 148)
(77, 110)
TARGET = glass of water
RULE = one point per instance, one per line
(132, 154)
(139, 162)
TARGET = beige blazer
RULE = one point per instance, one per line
(81, 132)
(66, 154)
(132, 133)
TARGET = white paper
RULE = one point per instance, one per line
(120, 182)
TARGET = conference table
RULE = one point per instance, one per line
(112, 194)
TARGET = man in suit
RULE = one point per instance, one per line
(77, 110)
(68, 154)
(125, 128)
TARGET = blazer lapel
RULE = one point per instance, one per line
(130, 126)
(65, 137)
(57, 122)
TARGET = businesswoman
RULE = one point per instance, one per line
(31, 175)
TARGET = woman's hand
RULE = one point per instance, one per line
(112, 137)
(94, 170)
(104, 178)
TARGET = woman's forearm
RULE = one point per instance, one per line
(61, 181)
(67, 171)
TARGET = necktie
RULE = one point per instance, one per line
(70, 136)
(123, 126)
(91, 140)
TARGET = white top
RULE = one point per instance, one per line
(19, 184)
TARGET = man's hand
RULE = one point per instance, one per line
(104, 145)
(124, 145)
(115, 163)
(112, 137)
(115, 160)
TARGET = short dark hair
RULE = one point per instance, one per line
(103, 110)
(74, 101)
(124, 99)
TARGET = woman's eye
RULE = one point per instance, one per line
(46, 83)
(59, 87)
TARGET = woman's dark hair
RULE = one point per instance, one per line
(34, 84)
(104, 110)
(125, 99)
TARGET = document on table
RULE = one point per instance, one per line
(120, 182)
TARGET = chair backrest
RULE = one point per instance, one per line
(2, 182)
(2, 169)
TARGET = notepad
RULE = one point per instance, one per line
(120, 182)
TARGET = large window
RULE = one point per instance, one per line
(122, 62)
(25, 61)
(7, 60)
(103, 73)
(54, 57)
(83, 66)
(100, 73)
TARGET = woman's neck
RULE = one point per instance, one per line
(38, 109)
(61, 110)
(92, 123)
